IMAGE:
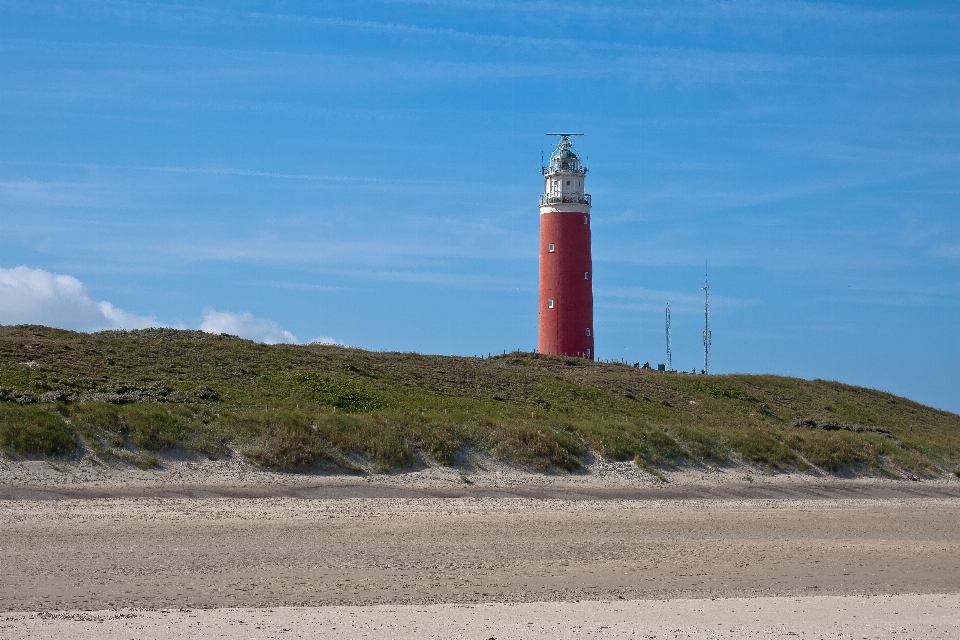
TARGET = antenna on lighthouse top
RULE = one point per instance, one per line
(564, 135)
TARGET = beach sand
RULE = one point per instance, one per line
(885, 617)
(194, 551)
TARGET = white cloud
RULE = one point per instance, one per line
(35, 296)
(326, 340)
(245, 325)
(123, 320)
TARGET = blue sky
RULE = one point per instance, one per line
(368, 173)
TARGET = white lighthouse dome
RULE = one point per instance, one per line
(565, 157)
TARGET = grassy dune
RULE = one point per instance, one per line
(131, 395)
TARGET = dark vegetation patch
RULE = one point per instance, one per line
(832, 425)
(132, 395)
(340, 392)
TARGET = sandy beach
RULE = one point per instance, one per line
(919, 617)
(208, 550)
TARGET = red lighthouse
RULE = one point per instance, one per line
(566, 278)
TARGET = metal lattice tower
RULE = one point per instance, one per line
(669, 354)
(706, 321)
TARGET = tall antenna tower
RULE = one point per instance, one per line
(706, 321)
(669, 354)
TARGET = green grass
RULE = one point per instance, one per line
(149, 427)
(35, 430)
(132, 395)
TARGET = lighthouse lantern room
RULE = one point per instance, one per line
(566, 277)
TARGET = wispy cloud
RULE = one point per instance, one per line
(217, 171)
(62, 193)
(684, 200)
(202, 77)
(33, 185)
(295, 286)
(643, 299)
(951, 251)
(393, 245)
(471, 281)
(683, 12)
(675, 16)
(643, 293)
(865, 298)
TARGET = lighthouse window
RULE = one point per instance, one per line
(588, 353)
(550, 247)
(584, 219)
(586, 275)
(549, 304)
(568, 182)
(588, 332)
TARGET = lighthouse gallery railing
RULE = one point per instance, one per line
(564, 199)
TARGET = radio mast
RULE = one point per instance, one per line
(669, 354)
(706, 321)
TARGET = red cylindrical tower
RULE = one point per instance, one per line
(566, 269)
